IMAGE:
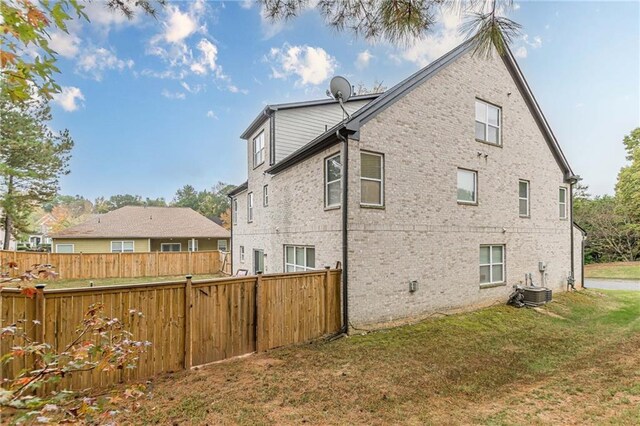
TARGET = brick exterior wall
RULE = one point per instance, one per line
(422, 233)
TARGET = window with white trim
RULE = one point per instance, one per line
(562, 202)
(122, 246)
(258, 150)
(488, 122)
(250, 207)
(235, 211)
(265, 195)
(64, 248)
(523, 198)
(222, 245)
(371, 179)
(242, 254)
(190, 243)
(299, 258)
(467, 186)
(332, 181)
(170, 247)
(492, 264)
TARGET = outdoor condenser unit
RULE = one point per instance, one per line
(536, 296)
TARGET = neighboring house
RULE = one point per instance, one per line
(450, 188)
(42, 231)
(143, 229)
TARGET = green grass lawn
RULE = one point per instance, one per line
(575, 361)
(623, 270)
(51, 284)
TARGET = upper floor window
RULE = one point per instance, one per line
(562, 202)
(258, 150)
(488, 122)
(234, 217)
(467, 186)
(265, 195)
(250, 207)
(122, 246)
(371, 179)
(523, 197)
(332, 181)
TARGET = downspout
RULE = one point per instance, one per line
(231, 236)
(345, 239)
(573, 275)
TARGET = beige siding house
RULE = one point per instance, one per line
(143, 229)
(441, 193)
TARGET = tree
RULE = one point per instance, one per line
(628, 185)
(27, 25)
(32, 159)
(208, 203)
(402, 21)
(187, 196)
(377, 87)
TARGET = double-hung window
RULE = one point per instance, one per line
(492, 264)
(523, 198)
(170, 247)
(222, 245)
(371, 179)
(562, 202)
(242, 254)
(258, 150)
(192, 245)
(467, 186)
(250, 207)
(265, 195)
(235, 211)
(299, 258)
(122, 246)
(488, 122)
(332, 181)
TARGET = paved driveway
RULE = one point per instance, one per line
(608, 284)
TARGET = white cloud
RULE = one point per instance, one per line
(207, 60)
(95, 61)
(179, 25)
(535, 43)
(103, 16)
(66, 44)
(426, 49)
(363, 59)
(191, 88)
(520, 52)
(173, 95)
(312, 65)
(246, 4)
(516, 6)
(211, 114)
(69, 98)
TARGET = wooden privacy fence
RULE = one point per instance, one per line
(121, 265)
(188, 323)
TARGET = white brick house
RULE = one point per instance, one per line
(451, 179)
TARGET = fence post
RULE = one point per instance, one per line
(258, 323)
(40, 312)
(327, 280)
(187, 324)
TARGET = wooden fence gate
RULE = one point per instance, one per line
(188, 323)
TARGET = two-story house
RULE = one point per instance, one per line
(440, 193)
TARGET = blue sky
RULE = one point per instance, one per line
(156, 104)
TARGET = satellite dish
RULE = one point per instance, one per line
(340, 88)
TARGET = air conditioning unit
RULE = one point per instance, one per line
(536, 296)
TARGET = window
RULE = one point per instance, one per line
(64, 248)
(258, 261)
(332, 181)
(250, 207)
(523, 198)
(299, 258)
(488, 122)
(242, 254)
(467, 186)
(234, 217)
(122, 246)
(170, 247)
(222, 245)
(190, 243)
(491, 264)
(562, 202)
(265, 195)
(371, 179)
(258, 150)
